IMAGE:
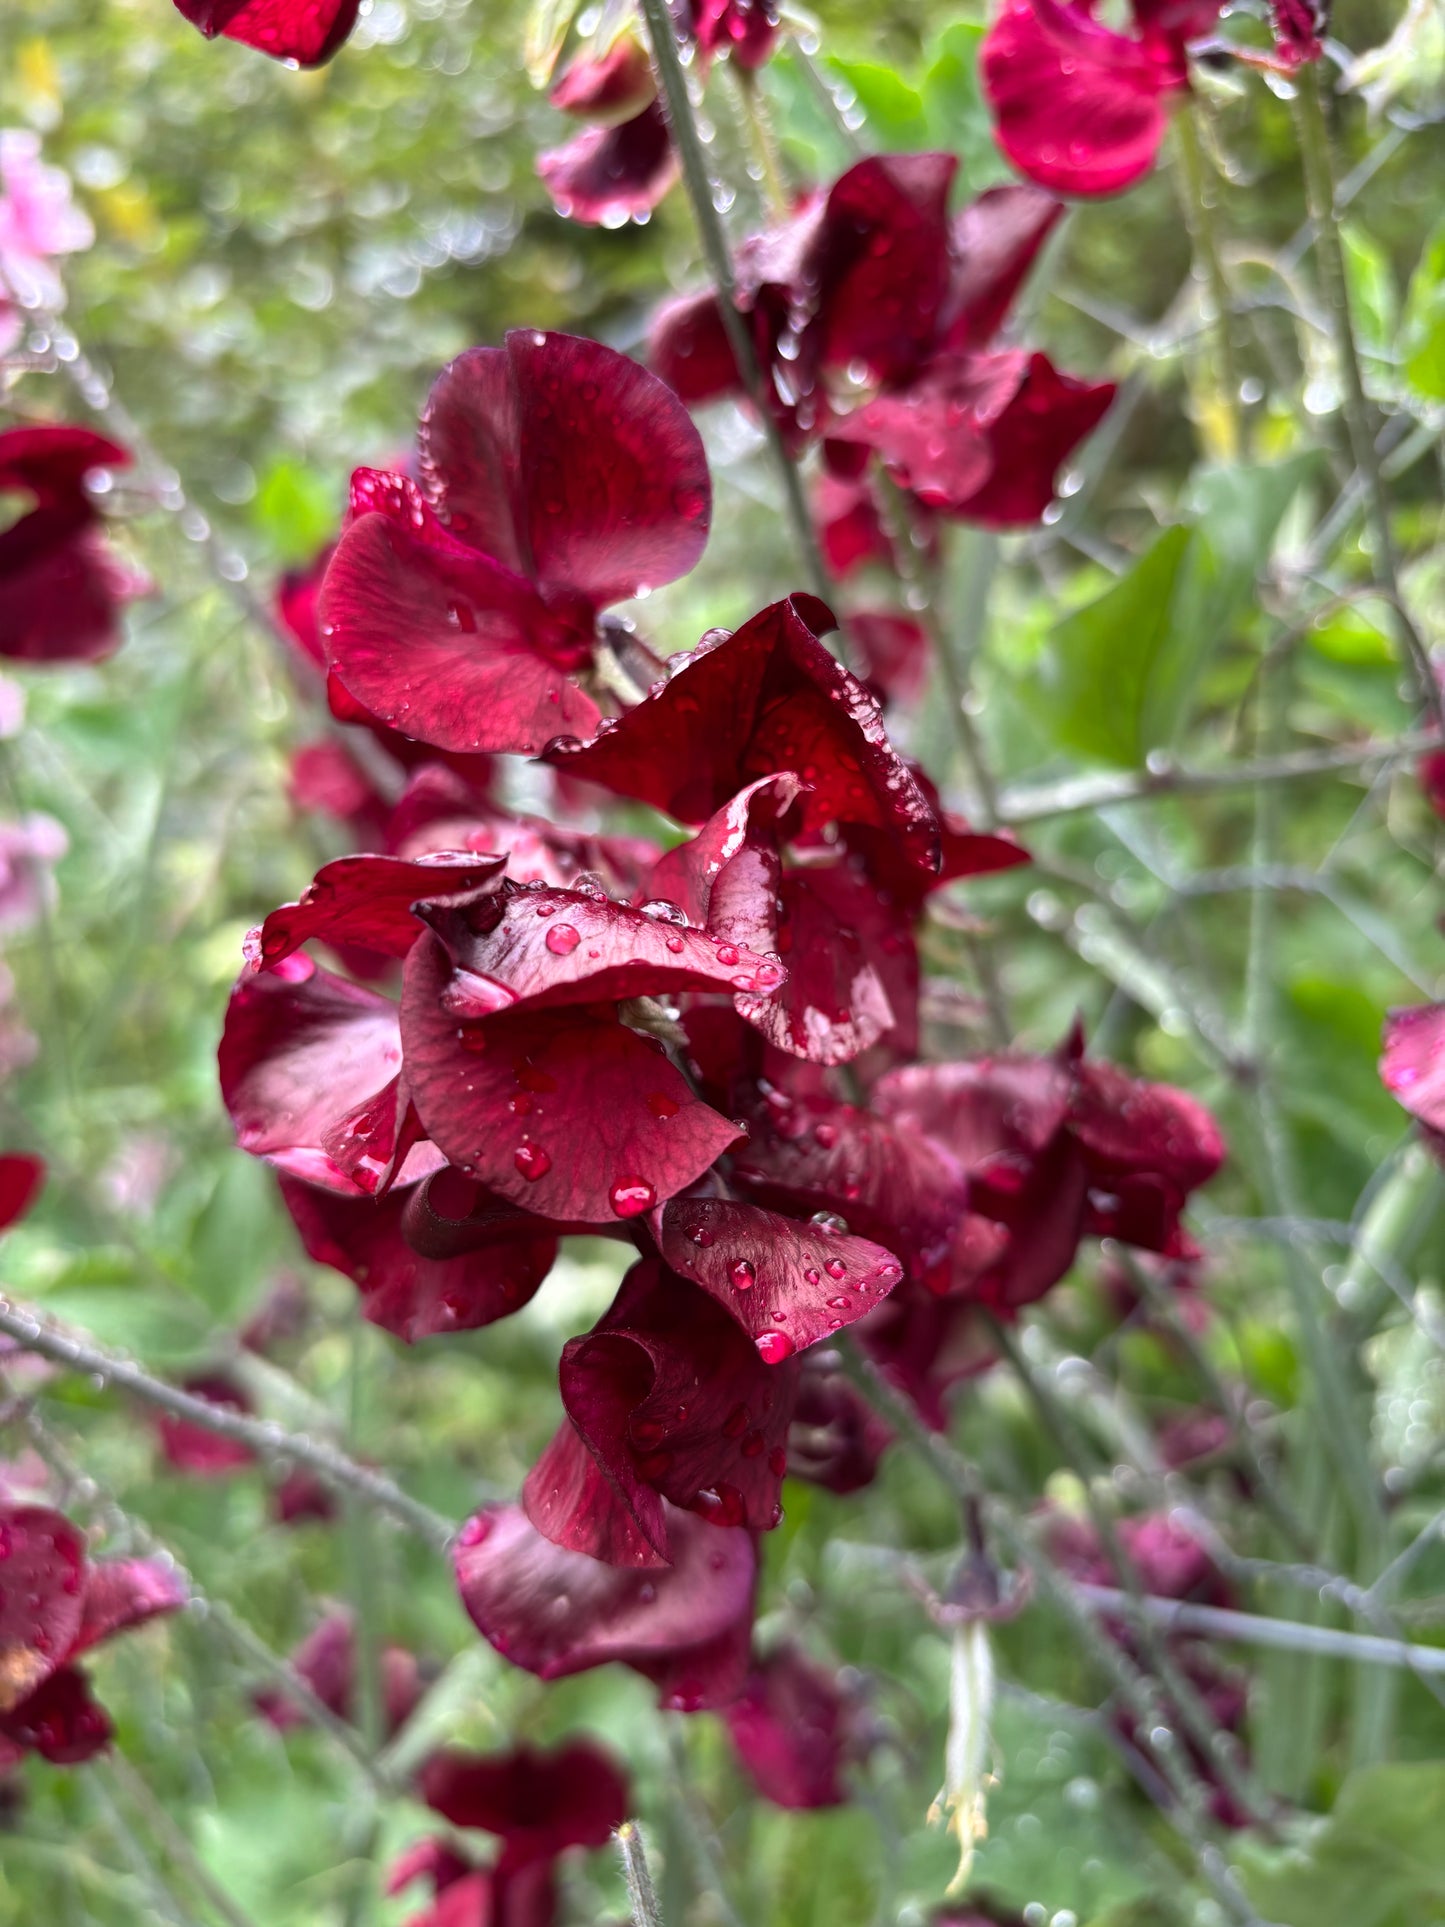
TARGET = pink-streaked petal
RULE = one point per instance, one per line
(42, 1591)
(538, 1804)
(443, 643)
(606, 176)
(304, 32)
(1076, 107)
(790, 1731)
(553, 1612)
(22, 1176)
(367, 901)
(564, 1111)
(406, 1292)
(615, 480)
(756, 1262)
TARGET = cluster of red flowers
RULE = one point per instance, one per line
(707, 1050)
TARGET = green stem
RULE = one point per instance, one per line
(641, 1894)
(1329, 256)
(698, 182)
(1200, 212)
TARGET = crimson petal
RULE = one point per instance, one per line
(607, 175)
(726, 877)
(42, 1568)
(754, 1261)
(21, 1179)
(538, 1803)
(552, 1612)
(307, 32)
(789, 1729)
(996, 241)
(566, 1112)
(880, 262)
(367, 901)
(60, 1720)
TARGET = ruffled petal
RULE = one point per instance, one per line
(367, 901)
(539, 1804)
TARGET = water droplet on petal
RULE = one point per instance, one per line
(774, 1347)
(630, 1197)
(562, 939)
(742, 1275)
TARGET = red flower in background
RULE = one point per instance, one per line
(622, 163)
(22, 1177)
(557, 477)
(55, 1605)
(194, 1449)
(1080, 108)
(792, 1732)
(326, 1662)
(304, 32)
(61, 588)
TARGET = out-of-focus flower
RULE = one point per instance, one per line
(793, 1729)
(38, 220)
(304, 33)
(326, 1661)
(61, 587)
(194, 1449)
(55, 1605)
(30, 847)
(1413, 1068)
(21, 1177)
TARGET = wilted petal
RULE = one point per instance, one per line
(564, 1111)
(539, 1804)
(754, 1262)
(1076, 107)
(553, 1612)
(42, 1589)
(415, 1294)
(790, 1730)
(607, 175)
(367, 901)
(676, 1403)
(307, 32)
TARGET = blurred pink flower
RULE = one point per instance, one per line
(30, 847)
(38, 220)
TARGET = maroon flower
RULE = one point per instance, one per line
(1078, 107)
(745, 30)
(305, 32)
(367, 901)
(538, 1804)
(894, 653)
(21, 1177)
(836, 1439)
(61, 588)
(790, 1729)
(326, 1661)
(607, 175)
(687, 1626)
(54, 1606)
(669, 1400)
(556, 477)
(196, 1450)
(327, 778)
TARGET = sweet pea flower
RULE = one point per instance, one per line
(326, 1662)
(792, 1730)
(622, 163)
(303, 33)
(55, 1605)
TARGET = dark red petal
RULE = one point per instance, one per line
(21, 1178)
(61, 590)
(307, 32)
(298, 594)
(122, 1593)
(850, 527)
(568, 1496)
(996, 240)
(326, 1662)
(925, 1345)
(754, 1262)
(995, 1115)
(790, 1732)
(836, 1439)
(538, 1803)
(688, 346)
(675, 1402)
(544, 948)
(470, 455)
(405, 1292)
(609, 87)
(745, 30)
(1076, 107)
(309, 1067)
(893, 653)
(554, 1612)
(607, 175)
(1413, 1065)
(852, 969)
(193, 1448)
(1125, 1127)
(767, 698)
(880, 261)
(326, 777)
(367, 901)
(59, 1720)
(615, 480)
(726, 877)
(888, 1183)
(50, 460)
(1021, 1243)
(1298, 27)
(42, 1587)
(434, 1859)
(566, 1112)
(440, 641)
(1043, 422)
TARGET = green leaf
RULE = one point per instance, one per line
(295, 509)
(953, 105)
(894, 110)
(1378, 1861)
(1422, 334)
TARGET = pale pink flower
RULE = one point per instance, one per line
(38, 220)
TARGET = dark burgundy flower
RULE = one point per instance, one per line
(301, 1495)
(196, 1450)
(1077, 107)
(442, 1256)
(791, 1731)
(326, 1661)
(836, 1438)
(610, 174)
(304, 32)
(61, 587)
(54, 1606)
(21, 1177)
(670, 1399)
(765, 699)
(786, 1284)
(471, 1896)
(687, 1626)
(538, 1804)
(557, 477)
(745, 30)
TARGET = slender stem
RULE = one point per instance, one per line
(641, 1893)
(827, 99)
(267, 1439)
(698, 182)
(1078, 794)
(167, 1903)
(1285, 1635)
(177, 1848)
(1199, 213)
(362, 1571)
(1319, 176)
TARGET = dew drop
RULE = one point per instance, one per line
(774, 1347)
(742, 1275)
(562, 939)
(532, 1161)
(835, 1267)
(630, 1197)
(661, 1105)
